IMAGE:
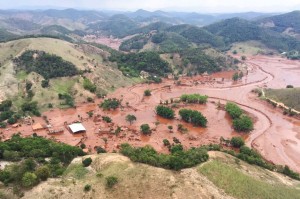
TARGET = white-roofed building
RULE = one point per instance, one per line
(77, 128)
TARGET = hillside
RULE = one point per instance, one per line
(289, 96)
(239, 30)
(84, 57)
(137, 180)
(289, 22)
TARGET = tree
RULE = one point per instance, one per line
(147, 92)
(244, 123)
(130, 118)
(45, 83)
(29, 179)
(237, 142)
(166, 142)
(43, 172)
(234, 52)
(235, 77)
(87, 187)
(165, 112)
(111, 181)
(99, 149)
(233, 110)
(145, 128)
(28, 85)
(194, 117)
(170, 128)
(241, 75)
(244, 57)
(87, 162)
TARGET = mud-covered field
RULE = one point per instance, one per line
(275, 136)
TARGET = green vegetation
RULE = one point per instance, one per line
(194, 117)
(130, 118)
(290, 97)
(165, 112)
(178, 159)
(69, 101)
(31, 153)
(147, 92)
(233, 110)
(237, 142)
(240, 185)
(88, 85)
(106, 119)
(194, 98)
(87, 188)
(111, 103)
(243, 123)
(134, 43)
(87, 162)
(239, 30)
(30, 107)
(170, 42)
(145, 129)
(111, 181)
(132, 64)
(47, 65)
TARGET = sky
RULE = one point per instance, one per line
(204, 6)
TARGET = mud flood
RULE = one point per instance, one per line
(275, 136)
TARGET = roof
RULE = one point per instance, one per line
(77, 127)
(37, 126)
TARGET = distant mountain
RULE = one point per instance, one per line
(239, 30)
(281, 23)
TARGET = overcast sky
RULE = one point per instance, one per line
(175, 5)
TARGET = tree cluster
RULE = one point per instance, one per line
(178, 159)
(45, 64)
(194, 117)
(111, 103)
(165, 112)
(194, 98)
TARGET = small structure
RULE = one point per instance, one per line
(77, 128)
(37, 126)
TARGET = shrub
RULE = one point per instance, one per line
(12, 120)
(43, 172)
(87, 187)
(194, 117)
(100, 150)
(111, 181)
(88, 85)
(233, 110)
(147, 92)
(237, 142)
(87, 162)
(110, 104)
(165, 112)
(289, 86)
(244, 123)
(166, 142)
(83, 146)
(145, 128)
(3, 125)
(106, 119)
(29, 179)
(45, 83)
(194, 98)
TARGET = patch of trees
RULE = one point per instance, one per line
(32, 167)
(194, 98)
(7, 115)
(132, 64)
(165, 112)
(241, 122)
(203, 62)
(177, 160)
(145, 129)
(31, 107)
(69, 100)
(45, 64)
(88, 85)
(111, 103)
(194, 117)
(134, 43)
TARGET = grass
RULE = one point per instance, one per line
(63, 87)
(22, 75)
(77, 171)
(249, 47)
(242, 186)
(290, 96)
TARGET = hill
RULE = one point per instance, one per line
(239, 30)
(222, 177)
(86, 58)
(289, 22)
(289, 96)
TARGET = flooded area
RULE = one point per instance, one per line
(275, 136)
